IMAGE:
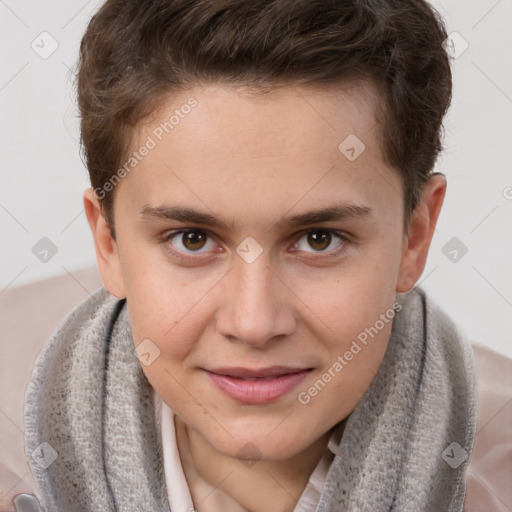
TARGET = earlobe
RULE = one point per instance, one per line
(107, 255)
(420, 233)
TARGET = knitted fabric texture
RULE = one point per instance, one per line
(92, 442)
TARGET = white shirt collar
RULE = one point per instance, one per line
(177, 487)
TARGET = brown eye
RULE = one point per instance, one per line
(319, 240)
(194, 240)
(188, 241)
(194, 246)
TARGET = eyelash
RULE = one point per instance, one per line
(324, 255)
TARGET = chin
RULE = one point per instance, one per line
(258, 446)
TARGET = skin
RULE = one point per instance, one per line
(252, 160)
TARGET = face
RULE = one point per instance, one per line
(252, 235)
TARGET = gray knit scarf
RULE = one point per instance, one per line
(92, 442)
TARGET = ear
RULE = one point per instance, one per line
(107, 254)
(421, 230)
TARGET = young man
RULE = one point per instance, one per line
(262, 206)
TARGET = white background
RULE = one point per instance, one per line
(43, 178)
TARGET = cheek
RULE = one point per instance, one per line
(356, 312)
(355, 354)
(161, 298)
(351, 299)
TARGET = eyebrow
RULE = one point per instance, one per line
(189, 215)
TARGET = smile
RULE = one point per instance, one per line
(246, 386)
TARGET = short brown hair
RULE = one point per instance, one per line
(135, 53)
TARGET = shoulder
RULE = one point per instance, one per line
(30, 313)
(490, 469)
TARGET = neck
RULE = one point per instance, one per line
(257, 487)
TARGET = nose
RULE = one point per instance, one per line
(257, 307)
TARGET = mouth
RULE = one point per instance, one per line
(257, 386)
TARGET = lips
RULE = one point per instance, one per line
(259, 373)
(257, 386)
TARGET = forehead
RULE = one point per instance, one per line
(291, 144)
(276, 115)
